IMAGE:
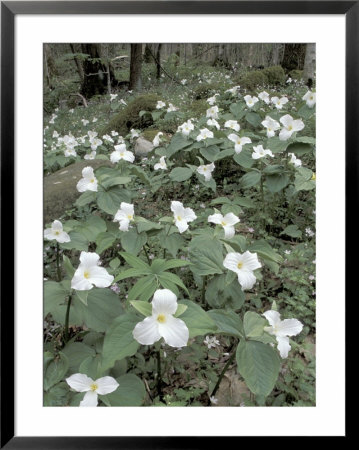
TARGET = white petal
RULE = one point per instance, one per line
(83, 185)
(189, 215)
(89, 258)
(174, 331)
(289, 327)
(63, 237)
(273, 317)
(250, 261)
(283, 346)
(120, 215)
(284, 134)
(49, 234)
(231, 261)
(229, 231)
(56, 225)
(128, 208)
(286, 120)
(297, 125)
(238, 148)
(146, 332)
(129, 156)
(79, 282)
(216, 218)
(246, 279)
(90, 399)
(120, 148)
(245, 140)
(79, 382)
(115, 156)
(124, 224)
(87, 172)
(106, 385)
(100, 277)
(177, 208)
(164, 302)
(182, 225)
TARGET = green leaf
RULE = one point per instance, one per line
(144, 308)
(55, 371)
(276, 183)
(178, 142)
(143, 289)
(265, 251)
(250, 179)
(76, 353)
(303, 180)
(91, 227)
(132, 241)
(91, 366)
(224, 153)
(172, 243)
(253, 118)
(228, 322)
(237, 109)
(119, 341)
(135, 262)
(68, 267)
(85, 198)
(78, 242)
(305, 112)
(292, 231)
(253, 324)
(145, 225)
(172, 278)
(173, 263)
(210, 152)
(221, 293)
(181, 174)
(104, 241)
(180, 310)
(110, 201)
(259, 365)
(244, 158)
(55, 296)
(130, 392)
(130, 273)
(299, 148)
(197, 320)
(82, 296)
(206, 256)
(276, 145)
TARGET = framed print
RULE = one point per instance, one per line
(169, 198)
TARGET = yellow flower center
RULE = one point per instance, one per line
(57, 233)
(161, 318)
(92, 180)
(122, 154)
(314, 176)
(129, 216)
(86, 274)
(179, 218)
(204, 169)
(310, 98)
(290, 127)
(94, 387)
(240, 265)
(223, 223)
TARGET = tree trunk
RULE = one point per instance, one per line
(309, 64)
(293, 56)
(80, 70)
(95, 73)
(158, 61)
(135, 67)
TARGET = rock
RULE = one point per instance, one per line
(232, 390)
(143, 147)
(60, 191)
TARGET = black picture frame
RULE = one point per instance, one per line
(9, 9)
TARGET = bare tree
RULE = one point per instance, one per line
(309, 64)
(136, 67)
(79, 68)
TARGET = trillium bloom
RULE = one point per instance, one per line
(250, 101)
(85, 122)
(182, 215)
(162, 323)
(125, 215)
(281, 329)
(91, 155)
(309, 98)
(243, 265)
(294, 160)
(279, 102)
(95, 143)
(206, 170)
(212, 100)
(228, 221)
(171, 108)
(134, 133)
(160, 104)
(56, 232)
(70, 151)
(161, 165)
(213, 123)
(232, 124)
(289, 127)
(121, 153)
(156, 139)
(88, 181)
(113, 96)
(239, 142)
(271, 125)
(260, 152)
(107, 138)
(205, 133)
(82, 383)
(264, 96)
(233, 90)
(89, 274)
(186, 128)
(212, 112)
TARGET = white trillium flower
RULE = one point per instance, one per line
(95, 143)
(162, 323)
(134, 133)
(310, 99)
(114, 133)
(212, 100)
(156, 139)
(107, 138)
(233, 90)
(113, 96)
(294, 160)
(171, 108)
(281, 329)
(243, 265)
(88, 182)
(213, 123)
(89, 274)
(205, 133)
(184, 81)
(260, 152)
(91, 135)
(232, 124)
(250, 101)
(228, 221)
(160, 104)
(91, 155)
(125, 215)
(70, 151)
(186, 128)
(279, 102)
(289, 127)
(182, 215)
(239, 142)
(56, 232)
(206, 170)
(264, 96)
(161, 165)
(55, 134)
(82, 383)
(211, 341)
(121, 153)
(212, 112)
(271, 126)
(85, 122)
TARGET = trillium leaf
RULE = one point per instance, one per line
(130, 392)
(86, 198)
(253, 324)
(254, 119)
(76, 353)
(91, 227)
(224, 154)
(181, 174)
(173, 263)
(171, 277)
(206, 256)
(110, 201)
(237, 109)
(244, 158)
(299, 148)
(119, 341)
(78, 242)
(55, 371)
(250, 179)
(277, 182)
(303, 180)
(178, 142)
(145, 225)
(197, 320)
(91, 366)
(173, 242)
(210, 152)
(292, 231)
(220, 293)
(144, 308)
(228, 322)
(132, 241)
(135, 262)
(259, 365)
(276, 145)
(181, 308)
(143, 289)
(265, 251)
(68, 266)
(82, 296)
(104, 241)
(130, 273)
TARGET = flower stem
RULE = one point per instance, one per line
(146, 253)
(66, 331)
(203, 294)
(58, 262)
(225, 368)
(159, 376)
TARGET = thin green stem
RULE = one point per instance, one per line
(66, 331)
(147, 256)
(203, 294)
(159, 376)
(225, 368)
(58, 262)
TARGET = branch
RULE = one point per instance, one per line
(82, 98)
